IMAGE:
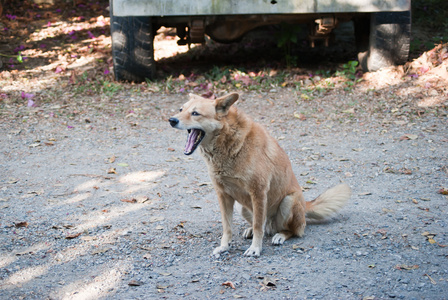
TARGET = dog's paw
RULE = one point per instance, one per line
(218, 250)
(253, 251)
(278, 239)
(248, 233)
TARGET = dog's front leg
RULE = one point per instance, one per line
(226, 205)
(259, 205)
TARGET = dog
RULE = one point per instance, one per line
(248, 166)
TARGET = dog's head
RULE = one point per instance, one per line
(202, 118)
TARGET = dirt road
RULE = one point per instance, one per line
(97, 200)
(102, 204)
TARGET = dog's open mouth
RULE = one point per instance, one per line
(195, 137)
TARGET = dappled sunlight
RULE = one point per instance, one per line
(98, 287)
(75, 199)
(88, 185)
(432, 101)
(6, 260)
(141, 180)
(112, 213)
(141, 176)
(25, 275)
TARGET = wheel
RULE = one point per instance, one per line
(389, 40)
(132, 47)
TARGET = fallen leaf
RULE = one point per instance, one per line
(342, 159)
(171, 149)
(432, 280)
(123, 164)
(229, 284)
(269, 282)
(408, 137)
(112, 171)
(112, 159)
(299, 116)
(129, 200)
(21, 224)
(406, 267)
(431, 240)
(349, 111)
(135, 283)
(443, 191)
(365, 194)
(405, 171)
(73, 236)
(13, 180)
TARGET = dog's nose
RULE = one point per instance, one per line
(173, 122)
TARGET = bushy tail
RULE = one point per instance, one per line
(329, 202)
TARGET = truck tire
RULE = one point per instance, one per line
(389, 40)
(132, 47)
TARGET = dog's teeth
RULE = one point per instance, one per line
(198, 137)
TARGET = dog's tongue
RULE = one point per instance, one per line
(191, 139)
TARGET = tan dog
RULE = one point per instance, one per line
(248, 166)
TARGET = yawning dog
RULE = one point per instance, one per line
(247, 165)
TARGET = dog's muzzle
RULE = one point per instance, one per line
(173, 122)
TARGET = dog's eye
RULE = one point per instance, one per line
(195, 113)
(180, 109)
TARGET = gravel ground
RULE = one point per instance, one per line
(97, 201)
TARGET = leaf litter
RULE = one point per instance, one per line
(401, 103)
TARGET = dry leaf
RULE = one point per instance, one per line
(21, 224)
(269, 282)
(443, 191)
(408, 137)
(405, 171)
(365, 194)
(135, 283)
(299, 116)
(129, 200)
(73, 236)
(112, 171)
(112, 159)
(229, 284)
(406, 267)
(432, 280)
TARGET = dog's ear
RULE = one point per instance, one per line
(193, 96)
(223, 104)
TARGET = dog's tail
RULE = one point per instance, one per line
(329, 202)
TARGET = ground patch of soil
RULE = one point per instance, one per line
(97, 200)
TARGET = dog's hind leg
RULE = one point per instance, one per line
(226, 204)
(290, 218)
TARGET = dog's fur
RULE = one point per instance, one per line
(247, 165)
